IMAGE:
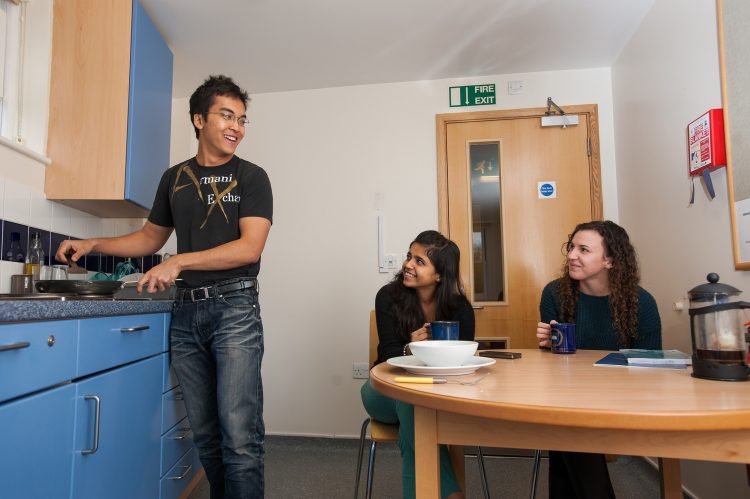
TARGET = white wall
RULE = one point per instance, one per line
(667, 76)
(335, 157)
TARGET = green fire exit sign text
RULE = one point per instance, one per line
(472, 95)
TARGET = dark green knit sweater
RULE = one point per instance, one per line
(594, 329)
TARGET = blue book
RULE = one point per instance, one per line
(641, 356)
(617, 359)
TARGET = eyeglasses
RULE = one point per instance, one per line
(231, 118)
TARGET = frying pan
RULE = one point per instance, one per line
(79, 287)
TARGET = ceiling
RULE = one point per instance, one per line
(281, 45)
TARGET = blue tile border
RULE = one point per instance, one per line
(51, 241)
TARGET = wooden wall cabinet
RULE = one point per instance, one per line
(110, 108)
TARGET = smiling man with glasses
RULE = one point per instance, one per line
(221, 208)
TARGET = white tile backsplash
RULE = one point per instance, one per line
(61, 219)
(40, 215)
(84, 226)
(8, 269)
(16, 202)
(2, 192)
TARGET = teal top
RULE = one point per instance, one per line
(593, 321)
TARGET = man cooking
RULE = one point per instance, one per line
(221, 208)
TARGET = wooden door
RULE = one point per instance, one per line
(490, 166)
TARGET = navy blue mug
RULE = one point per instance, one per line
(444, 330)
(563, 338)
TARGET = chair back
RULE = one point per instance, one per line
(373, 339)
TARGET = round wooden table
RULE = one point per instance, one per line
(564, 402)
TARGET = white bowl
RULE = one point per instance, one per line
(443, 353)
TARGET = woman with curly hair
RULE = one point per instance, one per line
(428, 288)
(599, 292)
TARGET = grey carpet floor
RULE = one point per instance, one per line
(302, 467)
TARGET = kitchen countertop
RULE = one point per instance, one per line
(13, 311)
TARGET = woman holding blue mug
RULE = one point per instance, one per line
(427, 289)
(598, 291)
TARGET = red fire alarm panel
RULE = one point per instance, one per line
(706, 142)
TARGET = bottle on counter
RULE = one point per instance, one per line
(35, 257)
(15, 253)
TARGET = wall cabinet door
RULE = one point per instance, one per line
(125, 406)
(37, 435)
(110, 108)
(149, 110)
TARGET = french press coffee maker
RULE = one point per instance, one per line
(717, 327)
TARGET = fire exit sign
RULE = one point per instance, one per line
(472, 95)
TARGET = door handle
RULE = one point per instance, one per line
(96, 424)
(186, 432)
(15, 346)
(134, 329)
(189, 467)
(478, 307)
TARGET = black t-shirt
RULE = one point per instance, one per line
(205, 204)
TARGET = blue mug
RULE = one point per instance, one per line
(444, 330)
(563, 338)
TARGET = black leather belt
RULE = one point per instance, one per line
(215, 291)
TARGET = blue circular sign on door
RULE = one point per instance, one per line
(546, 189)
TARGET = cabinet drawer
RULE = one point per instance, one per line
(112, 341)
(175, 443)
(178, 477)
(173, 408)
(170, 376)
(36, 355)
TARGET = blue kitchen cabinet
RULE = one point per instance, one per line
(89, 409)
(49, 344)
(37, 438)
(109, 65)
(149, 110)
(178, 465)
(122, 458)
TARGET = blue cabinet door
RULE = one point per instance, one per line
(25, 347)
(124, 461)
(149, 109)
(37, 435)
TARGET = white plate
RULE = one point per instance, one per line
(415, 366)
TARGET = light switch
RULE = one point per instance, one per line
(515, 87)
(391, 261)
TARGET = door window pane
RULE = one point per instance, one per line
(486, 222)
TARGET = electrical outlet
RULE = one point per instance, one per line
(360, 370)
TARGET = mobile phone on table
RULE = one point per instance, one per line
(500, 354)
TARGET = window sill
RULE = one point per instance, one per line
(24, 150)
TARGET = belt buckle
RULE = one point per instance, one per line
(206, 294)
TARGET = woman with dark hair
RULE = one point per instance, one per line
(428, 288)
(598, 291)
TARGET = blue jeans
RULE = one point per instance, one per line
(217, 348)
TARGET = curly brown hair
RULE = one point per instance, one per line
(624, 278)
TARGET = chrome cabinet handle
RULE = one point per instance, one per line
(15, 346)
(183, 436)
(477, 307)
(179, 396)
(96, 424)
(134, 329)
(189, 467)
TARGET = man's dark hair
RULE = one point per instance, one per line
(203, 97)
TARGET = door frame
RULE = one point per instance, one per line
(443, 120)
